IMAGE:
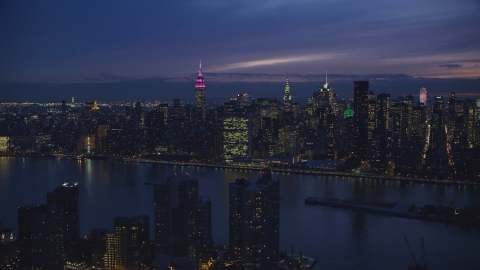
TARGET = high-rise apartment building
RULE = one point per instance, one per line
(67, 196)
(128, 245)
(236, 220)
(176, 222)
(254, 214)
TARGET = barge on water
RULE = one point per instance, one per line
(470, 216)
(384, 208)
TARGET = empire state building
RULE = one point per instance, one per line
(200, 101)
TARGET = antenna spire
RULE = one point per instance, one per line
(200, 68)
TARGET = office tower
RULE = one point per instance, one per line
(72, 104)
(324, 95)
(236, 136)
(67, 196)
(384, 121)
(360, 118)
(287, 98)
(176, 222)
(236, 197)
(255, 217)
(41, 231)
(243, 100)
(128, 246)
(200, 109)
(423, 96)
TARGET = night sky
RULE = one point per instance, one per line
(149, 50)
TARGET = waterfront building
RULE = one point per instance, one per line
(236, 198)
(67, 196)
(128, 245)
(98, 240)
(254, 219)
(176, 222)
(261, 227)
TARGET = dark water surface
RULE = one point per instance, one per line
(338, 238)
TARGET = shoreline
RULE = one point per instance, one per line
(306, 172)
(274, 169)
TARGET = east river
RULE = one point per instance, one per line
(337, 238)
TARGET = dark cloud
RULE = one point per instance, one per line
(451, 66)
(106, 77)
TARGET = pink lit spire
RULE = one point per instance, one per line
(200, 82)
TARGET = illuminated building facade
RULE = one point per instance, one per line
(323, 96)
(176, 222)
(128, 246)
(4, 143)
(236, 136)
(98, 240)
(200, 108)
(261, 214)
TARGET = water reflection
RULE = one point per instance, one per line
(338, 238)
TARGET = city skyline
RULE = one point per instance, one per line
(51, 50)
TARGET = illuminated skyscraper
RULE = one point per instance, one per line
(287, 98)
(200, 109)
(236, 136)
(324, 95)
(254, 211)
(128, 246)
(423, 95)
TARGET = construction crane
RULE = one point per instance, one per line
(418, 266)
